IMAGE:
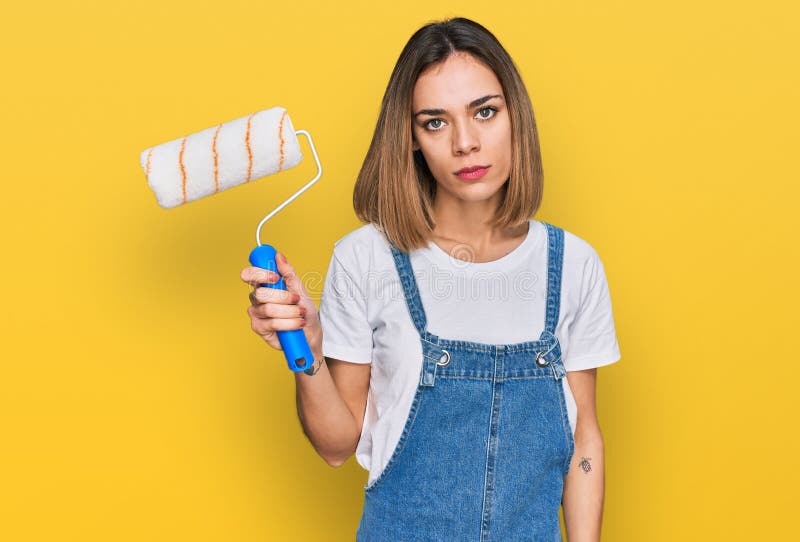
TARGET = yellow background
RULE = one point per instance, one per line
(137, 404)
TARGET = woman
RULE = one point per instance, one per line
(457, 339)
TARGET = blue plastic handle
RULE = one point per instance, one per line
(295, 346)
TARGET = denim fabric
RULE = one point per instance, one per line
(487, 441)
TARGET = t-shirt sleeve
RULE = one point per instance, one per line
(592, 336)
(346, 331)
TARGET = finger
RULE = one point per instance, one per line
(287, 324)
(263, 328)
(255, 276)
(272, 295)
(266, 326)
(273, 341)
(290, 277)
(274, 310)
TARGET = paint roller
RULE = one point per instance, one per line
(228, 155)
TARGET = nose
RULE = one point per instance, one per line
(465, 138)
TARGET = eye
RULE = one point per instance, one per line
(491, 109)
(482, 115)
(428, 126)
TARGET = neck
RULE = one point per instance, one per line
(467, 222)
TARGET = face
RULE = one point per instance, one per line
(460, 120)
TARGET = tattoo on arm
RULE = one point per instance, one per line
(585, 465)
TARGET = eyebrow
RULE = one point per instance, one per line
(473, 103)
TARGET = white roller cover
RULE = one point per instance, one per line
(218, 158)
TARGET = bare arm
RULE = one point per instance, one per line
(330, 403)
(584, 486)
(331, 407)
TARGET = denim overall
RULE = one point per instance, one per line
(487, 442)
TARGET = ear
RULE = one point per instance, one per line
(414, 145)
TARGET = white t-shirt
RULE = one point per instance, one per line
(365, 318)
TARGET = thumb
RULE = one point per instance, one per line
(290, 278)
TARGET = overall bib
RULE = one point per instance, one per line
(487, 442)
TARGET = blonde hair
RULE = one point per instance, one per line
(395, 189)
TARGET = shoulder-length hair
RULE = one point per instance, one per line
(395, 188)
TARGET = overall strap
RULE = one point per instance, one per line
(555, 260)
(403, 264)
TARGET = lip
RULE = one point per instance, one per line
(472, 172)
(470, 168)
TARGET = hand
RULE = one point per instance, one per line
(274, 310)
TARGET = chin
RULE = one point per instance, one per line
(475, 192)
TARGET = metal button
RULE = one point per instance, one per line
(540, 361)
(445, 357)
